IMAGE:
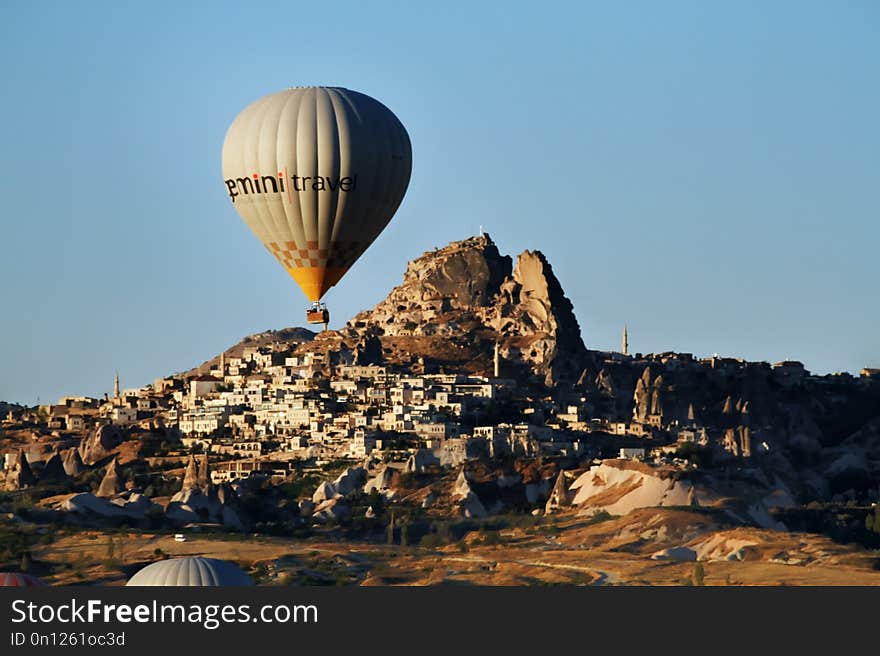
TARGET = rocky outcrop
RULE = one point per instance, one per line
(560, 497)
(100, 443)
(204, 476)
(468, 283)
(197, 475)
(18, 475)
(112, 483)
(738, 441)
(642, 396)
(368, 351)
(323, 492)
(469, 504)
(531, 304)
(461, 276)
(350, 480)
(219, 505)
(617, 487)
(680, 554)
(421, 459)
(53, 470)
(73, 463)
(381, 482)
(331, 510)
(86, 503)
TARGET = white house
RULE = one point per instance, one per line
(203, 385)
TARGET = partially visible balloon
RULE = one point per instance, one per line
(193, 571)
(316, 173)
(19, 580)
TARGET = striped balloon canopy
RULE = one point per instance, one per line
(193, 571)
(18, 580)
(316, 173)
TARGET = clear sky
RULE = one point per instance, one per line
(708, 173)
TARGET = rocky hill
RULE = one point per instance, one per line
(469, 293)
(452, 308)
(819, 434)
(817, 437)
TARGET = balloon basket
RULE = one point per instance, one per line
(318, 313)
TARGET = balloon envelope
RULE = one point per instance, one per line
(191, 571)
(18, 580)
(316, 173)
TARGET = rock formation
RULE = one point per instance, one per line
(469, 503)
(100, 443)
(331, 510)
(468, 283)
(381, 482)
(112, 483)
(191, 475)
(617, 487)
(53, 470)
(531, 304)
(197, 475)
(18, 475)
(350, 480)
(219, 505)
(86, 503)
(461, 276)
(560, 497)
(324, 491)
(368, 351)
(73, 463)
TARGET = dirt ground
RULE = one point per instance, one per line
(566, 549)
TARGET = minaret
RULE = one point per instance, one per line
(625, 341)
(222, 364)
(116, 387)
(497, 360)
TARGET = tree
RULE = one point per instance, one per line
(25, 561)
(376, 501)
(391, 529)
(699, 574)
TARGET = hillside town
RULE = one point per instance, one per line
(466, 395)
(257, 411)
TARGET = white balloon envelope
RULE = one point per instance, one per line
(193, 571)
(316, 173)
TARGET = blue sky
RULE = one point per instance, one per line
(707, 173)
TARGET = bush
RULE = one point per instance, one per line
(872, 521)
(431, 541)
(21, 503)
(598, 517)
(698, 455)
(79, 566)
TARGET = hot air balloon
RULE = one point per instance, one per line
(19, 580)
(191, 571)
(316, 173)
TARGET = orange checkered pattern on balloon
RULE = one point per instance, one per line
(339, 254)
